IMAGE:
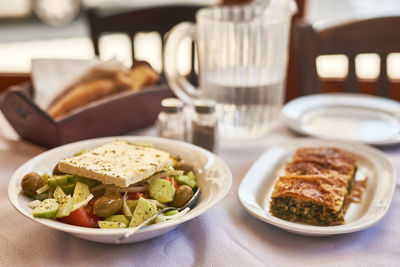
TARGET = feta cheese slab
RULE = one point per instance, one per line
(119, 163)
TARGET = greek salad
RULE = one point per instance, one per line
(77, 200)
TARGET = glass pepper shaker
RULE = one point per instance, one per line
(171, 121)
(204, 124)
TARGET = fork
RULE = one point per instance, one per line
(135, 229)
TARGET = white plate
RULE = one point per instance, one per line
(214, 180)
(256, 188)
(345, 117)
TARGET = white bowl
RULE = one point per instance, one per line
(213, 175)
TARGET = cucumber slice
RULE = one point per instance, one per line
(61, 179)
(144, 210)
(111, 225)
(118, 218)
(188, 179)
(89, 182)
(35, 203)
(81, 192)
(171, 212)
(132, 204)
(47, 209)
(59, 195)
(68, 188)
(65, 208)
(162, 190)
(82, 203)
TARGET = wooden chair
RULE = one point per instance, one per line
(9, 79)
(152, 19)
(374, 35)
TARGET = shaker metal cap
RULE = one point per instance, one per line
(171, 105)
(204, 105)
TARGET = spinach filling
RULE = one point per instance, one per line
(306, 211)
(292, 209)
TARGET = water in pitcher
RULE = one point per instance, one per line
(245, 111)
(242, 59)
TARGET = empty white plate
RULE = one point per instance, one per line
(256, 187)
(345, 117)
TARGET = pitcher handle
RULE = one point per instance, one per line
(178, 83)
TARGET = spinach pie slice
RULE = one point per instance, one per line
(315, 186)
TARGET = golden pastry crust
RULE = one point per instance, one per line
(302, 167)
(328, 157)
(315, 186)
(324, 190)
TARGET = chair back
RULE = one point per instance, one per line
(374, 35)
(150, 19)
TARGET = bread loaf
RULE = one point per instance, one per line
(80, 95)
(138, 77)
(90, 90)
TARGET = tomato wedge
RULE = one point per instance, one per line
(83, 216)
(136, 195)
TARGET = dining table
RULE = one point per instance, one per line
(226, 235)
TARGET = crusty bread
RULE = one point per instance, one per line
(93, 89)
(82, 94)
(138, 77)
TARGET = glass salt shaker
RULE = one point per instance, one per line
(171, 121)
(204, 124)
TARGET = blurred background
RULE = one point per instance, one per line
(58, 29)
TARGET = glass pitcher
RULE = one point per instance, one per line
(242, 55)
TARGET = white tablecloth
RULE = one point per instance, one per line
(224, 236)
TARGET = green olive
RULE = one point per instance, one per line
(182, 195)
(30, 183)
(107, 205)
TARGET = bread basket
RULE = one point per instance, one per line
(113, 115)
